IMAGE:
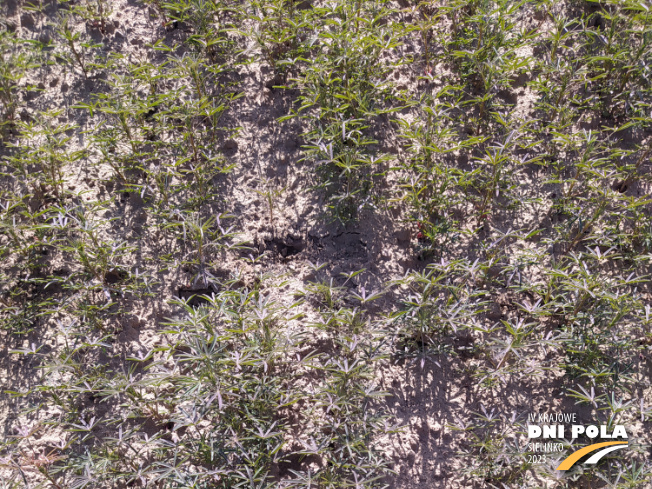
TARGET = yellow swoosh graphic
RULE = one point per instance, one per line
(575, 456)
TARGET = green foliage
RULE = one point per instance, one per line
(487, 161)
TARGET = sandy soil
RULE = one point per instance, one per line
(427, 400)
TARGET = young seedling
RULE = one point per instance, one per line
(271, 193)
